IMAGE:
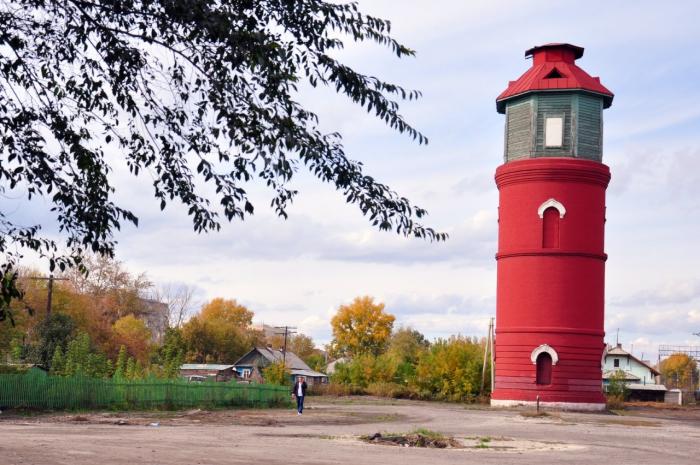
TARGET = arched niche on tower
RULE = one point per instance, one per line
(552, 203)
(544, 348)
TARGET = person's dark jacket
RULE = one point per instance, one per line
(295, 388)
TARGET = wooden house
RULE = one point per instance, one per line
(260, 357)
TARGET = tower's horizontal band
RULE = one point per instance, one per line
(554, 170)
(552, 253)
(551, 329)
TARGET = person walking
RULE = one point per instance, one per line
(299, 391)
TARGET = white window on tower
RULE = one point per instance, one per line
(553, 131)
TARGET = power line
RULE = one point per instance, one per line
(285, 332)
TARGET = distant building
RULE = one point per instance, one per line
(208, 371)
(330, 368)
(155, 315)
(266, 330)
(641, 379)
(258, 358)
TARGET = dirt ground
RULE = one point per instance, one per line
(329, 431)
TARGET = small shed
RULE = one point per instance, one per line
(211, 371)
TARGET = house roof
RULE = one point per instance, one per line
(330, 368)
(617, 351)
(205, 366)
(646, 387)
(309, 373)
(620, 352)
(554, 69)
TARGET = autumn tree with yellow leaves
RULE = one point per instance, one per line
(133, 333)
(679, 371)
(361, 327)
(219, 333)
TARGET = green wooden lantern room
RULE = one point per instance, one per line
(555, 109)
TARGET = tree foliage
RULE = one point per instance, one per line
(678, 371)
(132, 333)
(189, 91)
(171, 354)
(277, 373)
(448, 369)
(94, 304)
(219, 333)
(299, 344)
(80, 358)
(361, 327)
(617, 385)
(54, 331)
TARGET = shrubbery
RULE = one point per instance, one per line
(616, 391)
(277, 373)
(448, 369)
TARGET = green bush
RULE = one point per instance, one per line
(277, 374)
(335, 389)
(449, 370)
(616, 391)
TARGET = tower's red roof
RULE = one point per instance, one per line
(554, 69)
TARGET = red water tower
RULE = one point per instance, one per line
(551, 260)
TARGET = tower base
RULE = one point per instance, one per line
(578, 406)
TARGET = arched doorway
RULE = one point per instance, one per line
(544, 369)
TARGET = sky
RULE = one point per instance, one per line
(297, 272)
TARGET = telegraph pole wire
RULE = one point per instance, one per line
(286, 332)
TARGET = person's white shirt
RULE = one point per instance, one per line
(300, 392)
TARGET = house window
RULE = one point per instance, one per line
(246, 373)
(553, 131)
(616, 363)
(544, 369)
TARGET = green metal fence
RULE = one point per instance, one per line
(32, 390)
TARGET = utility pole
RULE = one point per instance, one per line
(488, 349)
(492, 337)
(50, 280)
(286, 332)
(486, 352)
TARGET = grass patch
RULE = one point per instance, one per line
(482, 442)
